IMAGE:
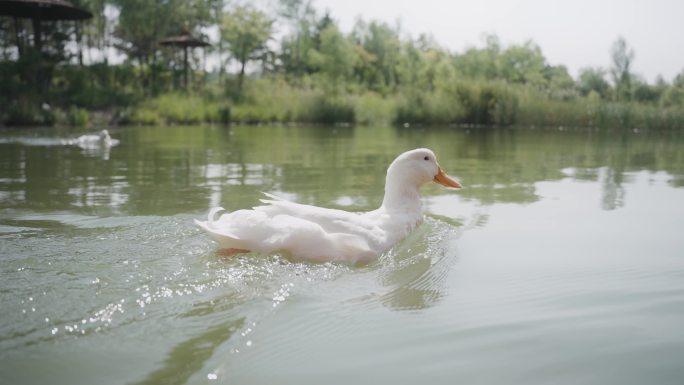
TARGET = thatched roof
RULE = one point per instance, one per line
(43, 10)
(184, 40)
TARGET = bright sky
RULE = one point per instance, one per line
(577, 33)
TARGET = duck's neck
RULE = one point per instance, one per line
(401, 195)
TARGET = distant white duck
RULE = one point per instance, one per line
(322, 234)
(101, 140)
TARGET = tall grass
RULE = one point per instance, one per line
(263, 102)
(461, 102)
(428, 108)
(175, 108)
(590, 112)
(371, 108)
(275, 101)
(485, 103)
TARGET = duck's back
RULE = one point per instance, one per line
(299, 230)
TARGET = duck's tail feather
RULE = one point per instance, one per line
(272, 199)
(225, 238)
(211, 217)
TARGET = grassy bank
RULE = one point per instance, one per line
(276, 100)
(477, 103)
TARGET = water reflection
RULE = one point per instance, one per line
(188, 169)
(613, 195)
(188, 357)
(415, 271)
(97, 151)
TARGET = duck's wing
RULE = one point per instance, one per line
(331, 220)
(258, 230)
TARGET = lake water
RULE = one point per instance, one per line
(560, 262)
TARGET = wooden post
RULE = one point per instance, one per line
(185, 75)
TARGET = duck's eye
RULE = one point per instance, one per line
(427, 157)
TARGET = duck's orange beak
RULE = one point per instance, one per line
(445, 180)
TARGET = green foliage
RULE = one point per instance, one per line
(486, 103)
(645, 93)
(593, 80)
(141, 116)
(673, 97)
(333, 110)
(275, 100)
(224, 114)
(78, 117)
(480, 64)
(592, 112)
(559, 83)
(176, 108)
(317, 74)
(302, 19)
(374, 109)
(428, 108)
(97, 86)
(141, 24)
(246, 30)
(379, 50)
(622, 58)
(678, 81)
(335, 58)
(25, 112)
(522, 64)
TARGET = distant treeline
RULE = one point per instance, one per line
(313, 73)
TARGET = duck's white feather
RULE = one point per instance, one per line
(324, 235)
(330, 219)
(99, 141)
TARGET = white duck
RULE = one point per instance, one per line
(321, 234)
(102, 140)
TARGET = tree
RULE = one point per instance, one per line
(411, 64)
(559, 82)
(646, 93)
(216, 10)
(423, 65)
(246, 30)
(673, 96)
(523, 64)
(381, 51)
(481, 63)
(97, 30)
(679, 80)
(593, 79)
(301, 16)
(142, 24)
(622, 58)
(335, 57)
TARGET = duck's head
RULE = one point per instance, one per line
(104, 135)
(417, 167)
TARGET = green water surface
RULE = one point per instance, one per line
(560, 262)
